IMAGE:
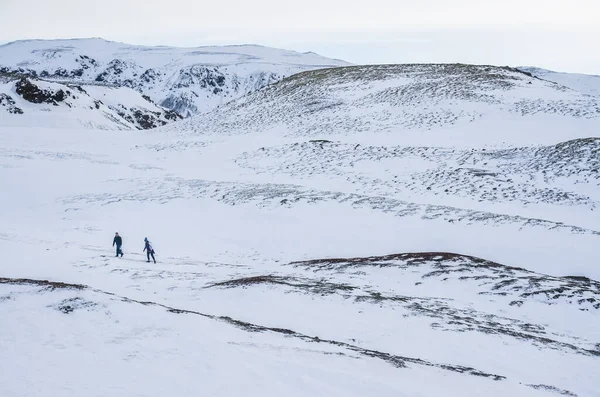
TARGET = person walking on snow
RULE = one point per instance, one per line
(119, 242)
(149, 250)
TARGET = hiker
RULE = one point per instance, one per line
(149, 250)
(119, 242)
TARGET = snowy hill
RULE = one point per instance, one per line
(398, 99)
(586, 83)
(186, 80)
(35, 103)
(400, 230)
(456, 139)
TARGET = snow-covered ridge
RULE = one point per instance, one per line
(186, 80)
(397, 99)
(31, 102)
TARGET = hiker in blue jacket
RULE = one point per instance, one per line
(149, 250)
(118, 241)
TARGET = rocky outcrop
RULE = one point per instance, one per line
(8, 102)
(120, 112)
(145, 119)
(32, 93)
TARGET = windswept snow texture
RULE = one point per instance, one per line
(449, 104)
(186, 80)
(402, 230)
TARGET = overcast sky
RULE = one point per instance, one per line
(562, 35)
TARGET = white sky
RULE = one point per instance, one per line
(558, 34)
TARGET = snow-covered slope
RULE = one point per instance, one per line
(416, 230)
(35, 103)
(186, 80)
(469, 142)
(406, 102)
(586, 83)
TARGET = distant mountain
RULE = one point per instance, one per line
(585, 83)
(186, 80)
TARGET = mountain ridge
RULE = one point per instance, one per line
(186, 80)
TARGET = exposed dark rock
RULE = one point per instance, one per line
(61, 72)
(126, 116)
(9, 103)
(524, 72)
(116, 67)
(172, 115)
(146, 119)
(32, 93)
(321, 287)
(18, 73)
(182, 103)
(113, 72)
(78, 88)
(129, 83)
(201, 76)
(41, 283)
(70, 305)
(86, 62)
(553, 389)
(149, 76)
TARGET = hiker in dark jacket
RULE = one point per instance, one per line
(119, 242)
(149, 250)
